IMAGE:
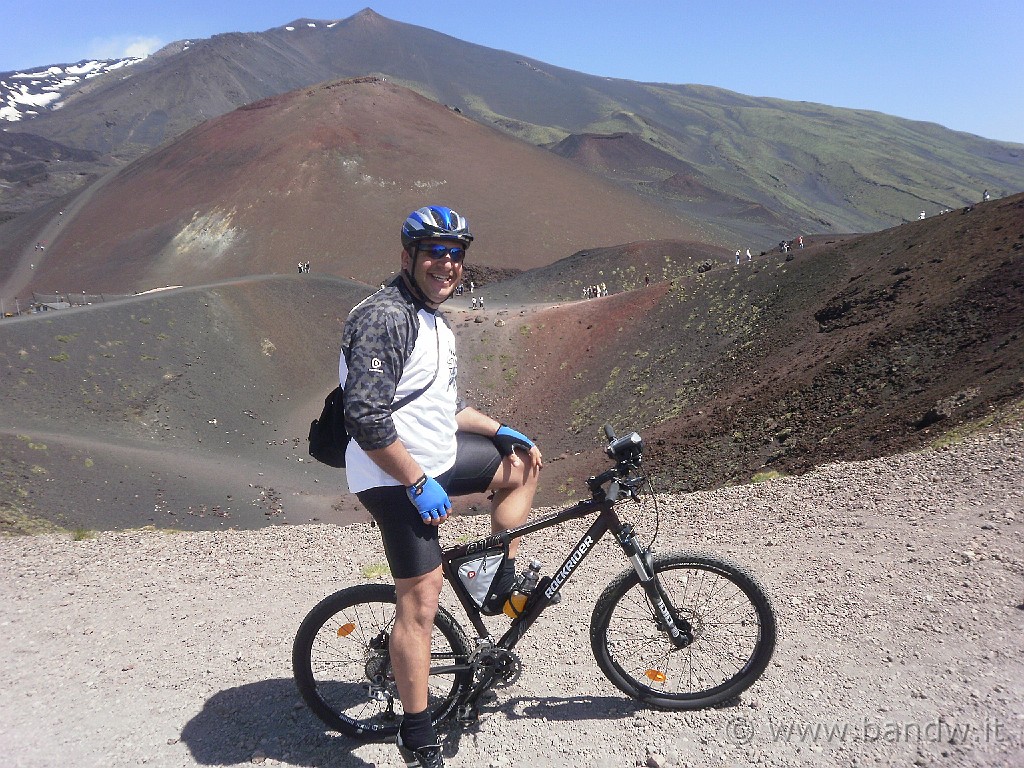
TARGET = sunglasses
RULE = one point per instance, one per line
(456, 252)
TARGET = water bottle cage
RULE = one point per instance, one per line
(523, 589)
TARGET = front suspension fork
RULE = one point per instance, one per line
(678, 629)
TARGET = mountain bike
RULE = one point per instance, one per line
(676, 630)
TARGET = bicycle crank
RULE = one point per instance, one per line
(509, 669)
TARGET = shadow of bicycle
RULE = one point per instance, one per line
(575, 709)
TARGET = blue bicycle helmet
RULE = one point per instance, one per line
(435, 222)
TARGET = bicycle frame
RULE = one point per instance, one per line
(548, 587)
(621, 485)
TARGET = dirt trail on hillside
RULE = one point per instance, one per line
(31, 258)
(898, 583)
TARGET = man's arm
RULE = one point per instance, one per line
(397, 462)
(376, 343)
(472, 420)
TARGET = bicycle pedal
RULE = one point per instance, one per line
(468, 715)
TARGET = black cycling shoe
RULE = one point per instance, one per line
(506, 582)
(424, 757)
(495, 604)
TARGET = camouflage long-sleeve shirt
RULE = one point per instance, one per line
(393, 345)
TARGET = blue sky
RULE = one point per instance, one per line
(953, 63)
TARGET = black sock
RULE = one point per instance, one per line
(417, 731)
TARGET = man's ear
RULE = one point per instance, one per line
(406, 261)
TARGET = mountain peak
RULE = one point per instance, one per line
(367, 17)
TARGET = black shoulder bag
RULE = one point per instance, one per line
(328, 438)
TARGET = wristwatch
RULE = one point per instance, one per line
(417, 488)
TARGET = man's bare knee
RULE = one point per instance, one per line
(511, 477)
(418, 597)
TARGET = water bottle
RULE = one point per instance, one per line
(521, 593)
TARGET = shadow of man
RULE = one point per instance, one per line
(265, 720)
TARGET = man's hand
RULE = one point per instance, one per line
(508, 439)
(430, 500)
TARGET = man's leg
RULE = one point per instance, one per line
(410, 662)
(514, 488)
(410, 637)
(414, 555)
(481, 467)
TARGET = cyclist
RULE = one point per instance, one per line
(404, 464)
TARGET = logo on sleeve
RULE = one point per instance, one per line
(376, 364)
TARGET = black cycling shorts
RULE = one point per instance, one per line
(412, 548)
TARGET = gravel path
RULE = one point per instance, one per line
(899, 586)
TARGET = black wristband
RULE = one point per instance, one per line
(417, 488)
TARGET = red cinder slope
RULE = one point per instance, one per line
(326, 175)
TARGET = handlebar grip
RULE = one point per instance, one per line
(609, 432)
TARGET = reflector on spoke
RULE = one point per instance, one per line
(656, 675)
(346, 629)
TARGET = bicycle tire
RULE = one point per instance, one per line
(343, 671)
(733, 624)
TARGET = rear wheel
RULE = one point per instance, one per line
(729, 633)
(342, 666)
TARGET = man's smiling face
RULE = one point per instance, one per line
(436, 275)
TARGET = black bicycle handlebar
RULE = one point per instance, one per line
(627, 452)
(628, 448)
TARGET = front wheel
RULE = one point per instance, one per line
(342, 664)
(728, 632)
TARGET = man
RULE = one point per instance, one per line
(404, 463)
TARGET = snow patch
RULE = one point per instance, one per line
(28, 93)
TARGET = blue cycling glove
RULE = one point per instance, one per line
(429, 498)
(507, 439)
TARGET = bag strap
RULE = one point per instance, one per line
(412, 396)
